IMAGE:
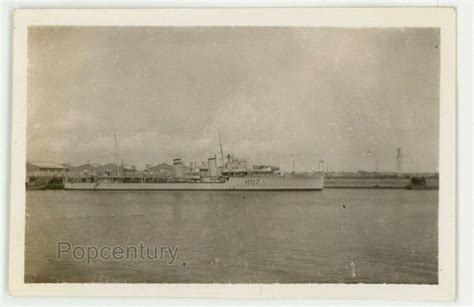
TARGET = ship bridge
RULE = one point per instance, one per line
(239, 167)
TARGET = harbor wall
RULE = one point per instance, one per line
(374, 182)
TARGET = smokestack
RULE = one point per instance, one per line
(178, 167)
(212, 166)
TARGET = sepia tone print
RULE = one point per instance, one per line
(265, 155)
(234, 153)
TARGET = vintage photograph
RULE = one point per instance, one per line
(258, 154)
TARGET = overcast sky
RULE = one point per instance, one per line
(350, 96)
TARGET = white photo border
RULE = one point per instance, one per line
(440, 17)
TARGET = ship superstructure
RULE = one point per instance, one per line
(233, 174)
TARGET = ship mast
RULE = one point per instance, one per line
(293, 164)
(117, 155)
(222, 152)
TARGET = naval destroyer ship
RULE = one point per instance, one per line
(234, 174)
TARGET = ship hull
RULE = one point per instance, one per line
(314, 183)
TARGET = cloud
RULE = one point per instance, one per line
(311, 93)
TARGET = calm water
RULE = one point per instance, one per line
(381, 236)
